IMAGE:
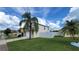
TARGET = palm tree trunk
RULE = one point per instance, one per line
(73, 37)
(30, 32)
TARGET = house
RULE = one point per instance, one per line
(42, 29)
(57, 33)
(68, 35)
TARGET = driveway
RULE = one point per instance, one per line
(3, 44)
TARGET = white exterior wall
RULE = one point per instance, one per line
(44, 33)
(70, 36)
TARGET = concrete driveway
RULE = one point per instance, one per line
(3, 44)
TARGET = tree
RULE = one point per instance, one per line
(7, 31)
(71, 28)
(31, 24)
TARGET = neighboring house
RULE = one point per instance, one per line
(67, 35)
(14, 33)
(57, 33)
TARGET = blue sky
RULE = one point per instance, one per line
(54, 12)
(46, 14)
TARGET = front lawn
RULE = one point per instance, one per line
(43, 44)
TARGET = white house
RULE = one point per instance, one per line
(41, 31)
(44, 31)
(67, 35)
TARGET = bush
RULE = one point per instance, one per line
(7, 31)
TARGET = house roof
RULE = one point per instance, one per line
(43, 25)
(23, 24)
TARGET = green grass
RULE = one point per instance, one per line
(44, 44)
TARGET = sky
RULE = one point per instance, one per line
(54, 17)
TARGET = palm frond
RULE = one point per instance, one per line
(71, 27)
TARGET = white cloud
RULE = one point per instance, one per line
(73, 9)
(8, 21)
(41, 21)
(53, 26)
(73, 14)
(58, 22)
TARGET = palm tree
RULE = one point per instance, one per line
(31, 24)
(71, 28)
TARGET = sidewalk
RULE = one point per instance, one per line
(16, 39)
(3, 47)
(3, 44)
